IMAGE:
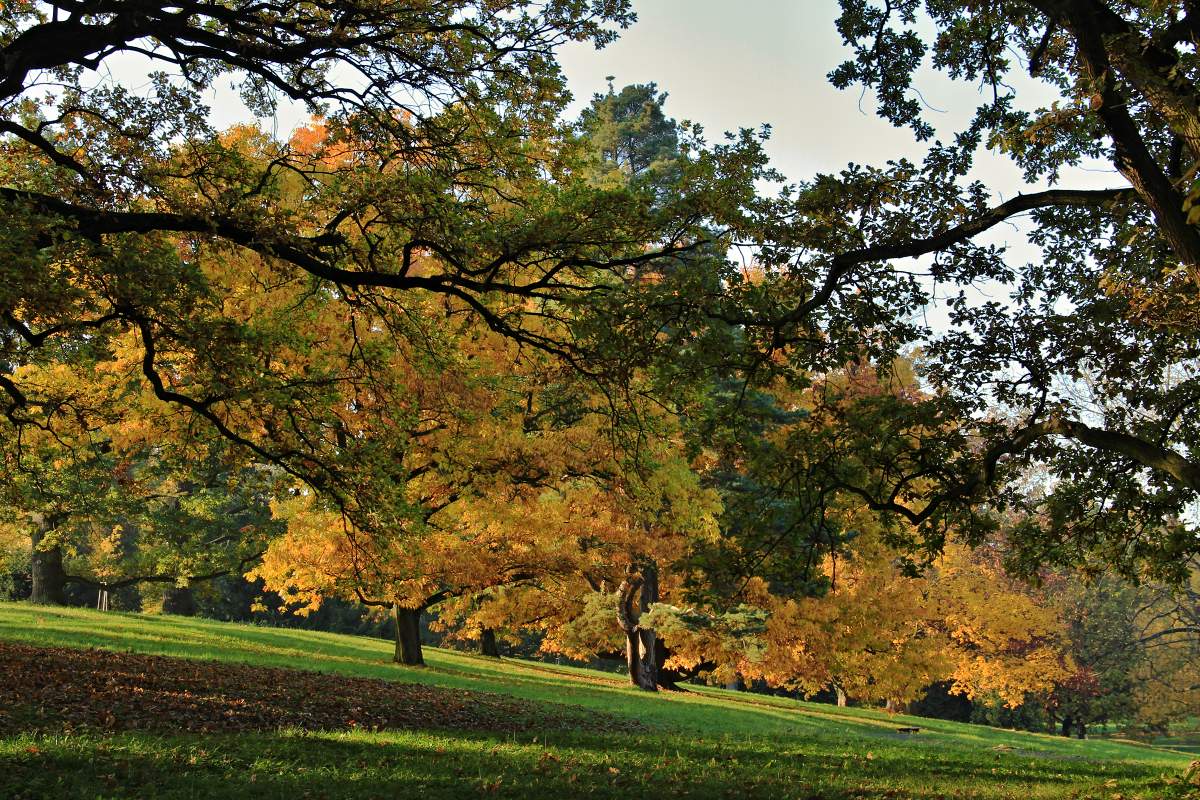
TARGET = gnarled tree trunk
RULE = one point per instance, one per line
(46, 567)
(408, 636)
(633, 658)
(634, 595)
(487, 643)
(627, 616)
(647, 638)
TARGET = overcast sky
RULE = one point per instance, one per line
(728, 65)
(739, 64)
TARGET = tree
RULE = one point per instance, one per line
(132, 498)
(458, 507)
(1167, 681)
(629, 130)
(611, 524)
(1135, 647)
(879, 634)
(1102, 641)
(447, 152)
(1084, 362)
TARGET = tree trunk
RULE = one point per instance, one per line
(894, 706)
(46, 568)
(633, 657)
(1067, 723)
(648, 675)
(180, 601)
(487, 643)
(628, 615)
(841, 696)
(1081, 729)
(408, 636)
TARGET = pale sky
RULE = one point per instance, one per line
(729, 65)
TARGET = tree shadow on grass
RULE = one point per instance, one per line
(432, 765)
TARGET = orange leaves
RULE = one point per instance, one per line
(307, 563)
(1006, 640)
(880, 634)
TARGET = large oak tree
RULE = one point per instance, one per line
(1072, 369)
(441, 171)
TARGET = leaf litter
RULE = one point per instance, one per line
(50, 689)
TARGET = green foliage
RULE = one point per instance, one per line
(1077, 363)
(14, 571)
(1102, 632)
(634, 140)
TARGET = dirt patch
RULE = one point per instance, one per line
(56, 689)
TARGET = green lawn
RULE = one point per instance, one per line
(1185, 741)
(704, 743)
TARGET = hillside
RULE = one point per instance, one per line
(573, 732)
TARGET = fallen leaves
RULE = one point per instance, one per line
(51, 689)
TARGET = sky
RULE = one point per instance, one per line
(729, 65)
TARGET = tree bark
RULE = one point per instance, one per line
(408, 636)
(1067, 723)
(46, 568)
(634, 595)
(841, 696)
(487, 643)
(632, 655)
(180, 601)
(648, 676)
(627, 617)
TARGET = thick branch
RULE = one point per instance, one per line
(1091, 24)
(163, 578)
(1147, 454)
(843, 263)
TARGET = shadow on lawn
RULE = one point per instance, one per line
(301, 764)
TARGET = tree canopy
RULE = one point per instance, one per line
(1077, 360)
(444, 346)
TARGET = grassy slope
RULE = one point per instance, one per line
(708, 743)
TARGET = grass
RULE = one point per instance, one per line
(1187, 741)
(708, 743)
